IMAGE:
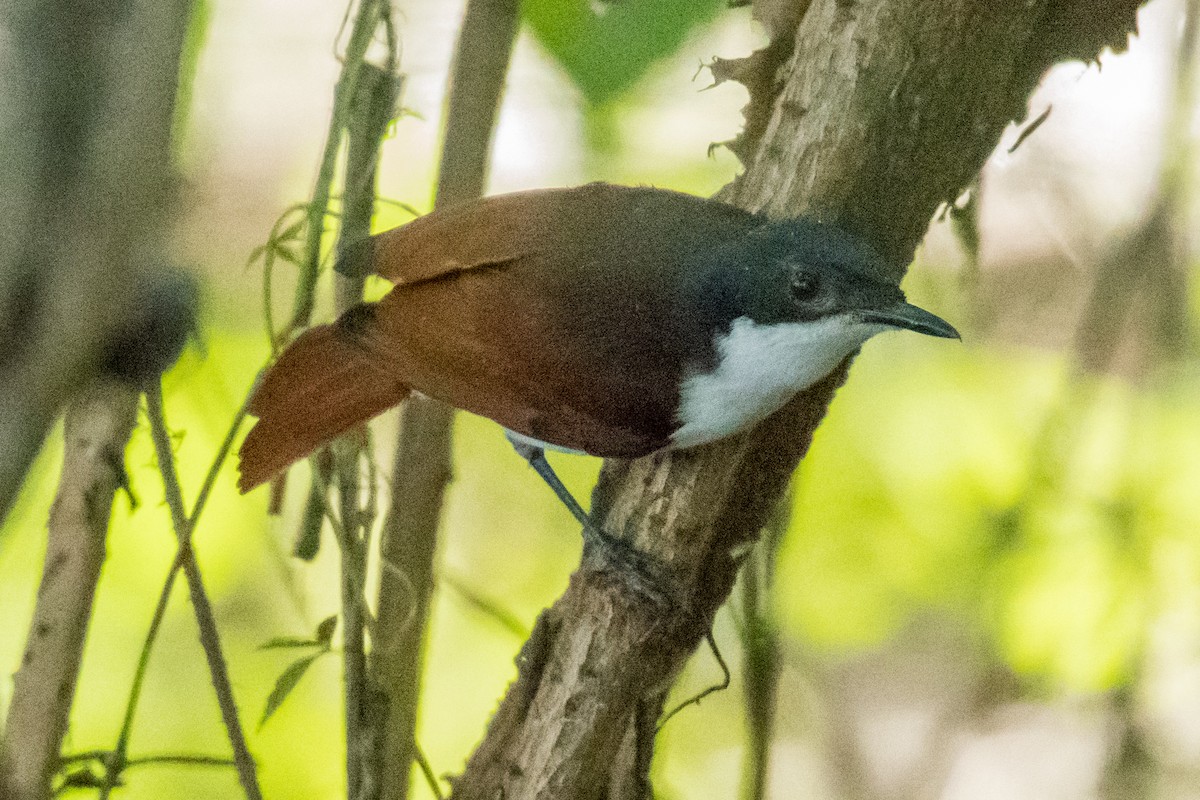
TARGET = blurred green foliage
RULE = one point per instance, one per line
(931, 486)
(606, 47)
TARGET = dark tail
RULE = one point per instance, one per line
(325, 383)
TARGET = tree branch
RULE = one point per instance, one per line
(85, 124)
(202, 607)
(98, 426)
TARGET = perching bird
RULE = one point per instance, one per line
(601, 319)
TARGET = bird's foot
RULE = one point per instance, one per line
(643, 574)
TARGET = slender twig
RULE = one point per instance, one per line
(267, 252)
(116, 761)
(365, 23)
(202, 607)
(761, 651)
(183, 761)
(354, 657)
(163, 758)
(79, 779)
(694, 700)
(431, 779)
(210, 479)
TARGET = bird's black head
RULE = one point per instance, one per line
(801, 271)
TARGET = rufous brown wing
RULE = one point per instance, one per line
(323, 385)
(552, 312)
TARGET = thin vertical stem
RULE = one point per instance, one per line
(370, 112)
(365, 22)
(205, 619)
(422, 461)
(761, 652)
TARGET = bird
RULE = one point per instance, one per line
(609, 320)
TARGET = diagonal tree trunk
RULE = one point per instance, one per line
(868, 113)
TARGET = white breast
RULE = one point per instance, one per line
(760, 368)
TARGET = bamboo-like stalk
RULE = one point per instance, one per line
(370, 112)
(422, 461)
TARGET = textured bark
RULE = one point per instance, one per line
(98, 426)
(891, 108)
(883, 111)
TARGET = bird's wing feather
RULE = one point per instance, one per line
(500, 229)
(552, 312)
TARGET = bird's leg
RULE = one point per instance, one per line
(646, 576)
(537, 459)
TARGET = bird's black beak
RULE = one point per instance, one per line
(906, 315)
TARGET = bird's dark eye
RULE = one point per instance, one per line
(805, 286)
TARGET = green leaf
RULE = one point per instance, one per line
(286, 683)
(326, 628)
(293, 232)
(85, 778)
(606, 53)
(286, 254)
(287, 642)
(321, 638)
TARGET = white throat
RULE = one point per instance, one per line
(759, 368)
